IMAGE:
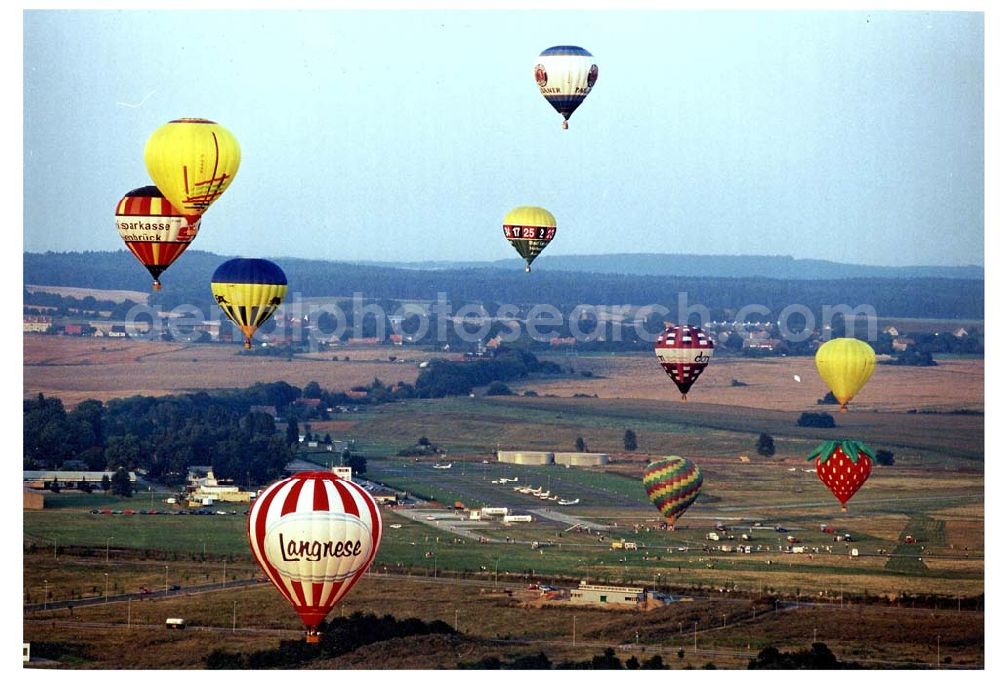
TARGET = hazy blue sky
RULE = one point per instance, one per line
(407, 135)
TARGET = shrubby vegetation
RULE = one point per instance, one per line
(820, 420)
(342, 636)
(442, 378)
(765, 445)
(817, 657)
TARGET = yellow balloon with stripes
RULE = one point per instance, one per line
(192, 161)
(845, 365)
(529, 229)
(249, 291)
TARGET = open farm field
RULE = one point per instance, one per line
(75, 369)
(934, 492)
(115, 295)
(950, 441)
(724, 629)
(771, 384)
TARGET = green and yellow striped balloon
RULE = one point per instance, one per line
(672, 484)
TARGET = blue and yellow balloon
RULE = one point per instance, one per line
(249, 290)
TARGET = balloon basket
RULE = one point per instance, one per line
(312, 637)
(684, 398)
(156, 285)
(247, 344)
(527, 268)
(565, 125)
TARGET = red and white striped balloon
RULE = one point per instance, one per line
(314, 535)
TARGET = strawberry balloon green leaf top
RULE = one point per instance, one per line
(843, 466)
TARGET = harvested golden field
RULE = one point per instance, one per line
(115, 295)
(75, 369)
(771, 383)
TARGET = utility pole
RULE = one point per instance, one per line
(234, 616)
(456, 620)
(128, 619)
(105, 588)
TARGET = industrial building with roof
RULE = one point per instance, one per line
(69, 479)
(542, 458)
(607, 594)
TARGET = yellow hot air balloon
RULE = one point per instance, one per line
(845, 365)
(192, 161)
(529, 229)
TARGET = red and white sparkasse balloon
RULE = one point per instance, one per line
(314, 535)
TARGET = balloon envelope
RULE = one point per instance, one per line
(153, 230)
(845, 365)
(249, 290)
(529, 229)
(684, 353)
(672, 484)
(565, 75)
(193, 161)
(314, 536)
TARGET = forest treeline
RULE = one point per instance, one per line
(187, 282)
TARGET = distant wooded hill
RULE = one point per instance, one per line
(187, 281)
(679, 265)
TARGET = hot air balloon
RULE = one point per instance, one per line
(529, 229)
(314, 536)
(154, 231)
(843, 466)
(249, 290)
(672, 484)
(684, 353)
(565, 74)
(845, 365)
(192, 161)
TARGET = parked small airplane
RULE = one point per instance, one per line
(569, 502)
(508, 480)
(443, 466)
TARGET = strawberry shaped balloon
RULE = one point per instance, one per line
(843, 466)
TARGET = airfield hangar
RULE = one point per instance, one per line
(581, 459)
(541, 458)
(532, 457)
